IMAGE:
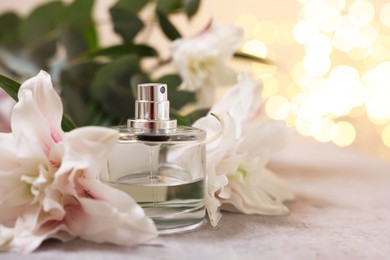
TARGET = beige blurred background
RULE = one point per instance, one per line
(332, 79)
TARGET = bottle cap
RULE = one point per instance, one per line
(152, 108)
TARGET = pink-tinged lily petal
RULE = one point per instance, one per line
(23, 237)
(13, 194)
(37, 116)
(48, 179)
(47, 100)
(95, 211)
(114, 217)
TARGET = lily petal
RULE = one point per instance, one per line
(37, 116)
(95, 211)
(115, 217)
(260, 192)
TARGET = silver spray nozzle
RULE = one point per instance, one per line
(152, 92)
(152, 108)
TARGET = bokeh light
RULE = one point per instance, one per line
(384, 15)
(256, 48)
(386, 135)
(344, 71)
(361, 12)
(266, 31)
(345, 134)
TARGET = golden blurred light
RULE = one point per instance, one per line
(292, 89)
(322, 14)
(377, 82)
(290, 120)
(316, 64)
(271, 86)
(247, 22)
(377, 121)
(266, 31)
(384, 15)
(277, 107)
(312, 9)
(263, 71)
(256, 48)
(346, 88)
(285, 36)
(326, 131)
(321, 129)
(303, 30)
(319, 44)
(345, 71)
(345, 134)
(305, 124)
(346, 35)
(361, 12)
(368, 35)
(358, 53)
(386, 135)
(380, 50)
(297, 72)
(357, 112)
(337, 4)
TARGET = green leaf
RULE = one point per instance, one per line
(78, 29)
(67, 124)
(43, 20)
(249, 57)
(181, 120)
(39, 33)
(169, 6)
(97, 116)
(191, 7)
(9, 29)
(131, 5)
(178, 98)
(75, 82)
(12, 87)
(106, 75)
(137, 79)
(118, 51)
(74, 42)
(167, 27)
(126, 24)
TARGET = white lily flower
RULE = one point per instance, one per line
(238, 152)
(6, 105)
(202, 61)
(48, 179)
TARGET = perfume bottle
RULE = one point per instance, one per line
(159, 164)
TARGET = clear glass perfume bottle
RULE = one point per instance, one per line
(159, 164)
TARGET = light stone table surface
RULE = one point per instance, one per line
(342, 211)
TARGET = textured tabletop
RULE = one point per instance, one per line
(342, 211)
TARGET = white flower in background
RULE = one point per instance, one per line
(48, 184)
(237, 154)
(6, 105)
(202, 61)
